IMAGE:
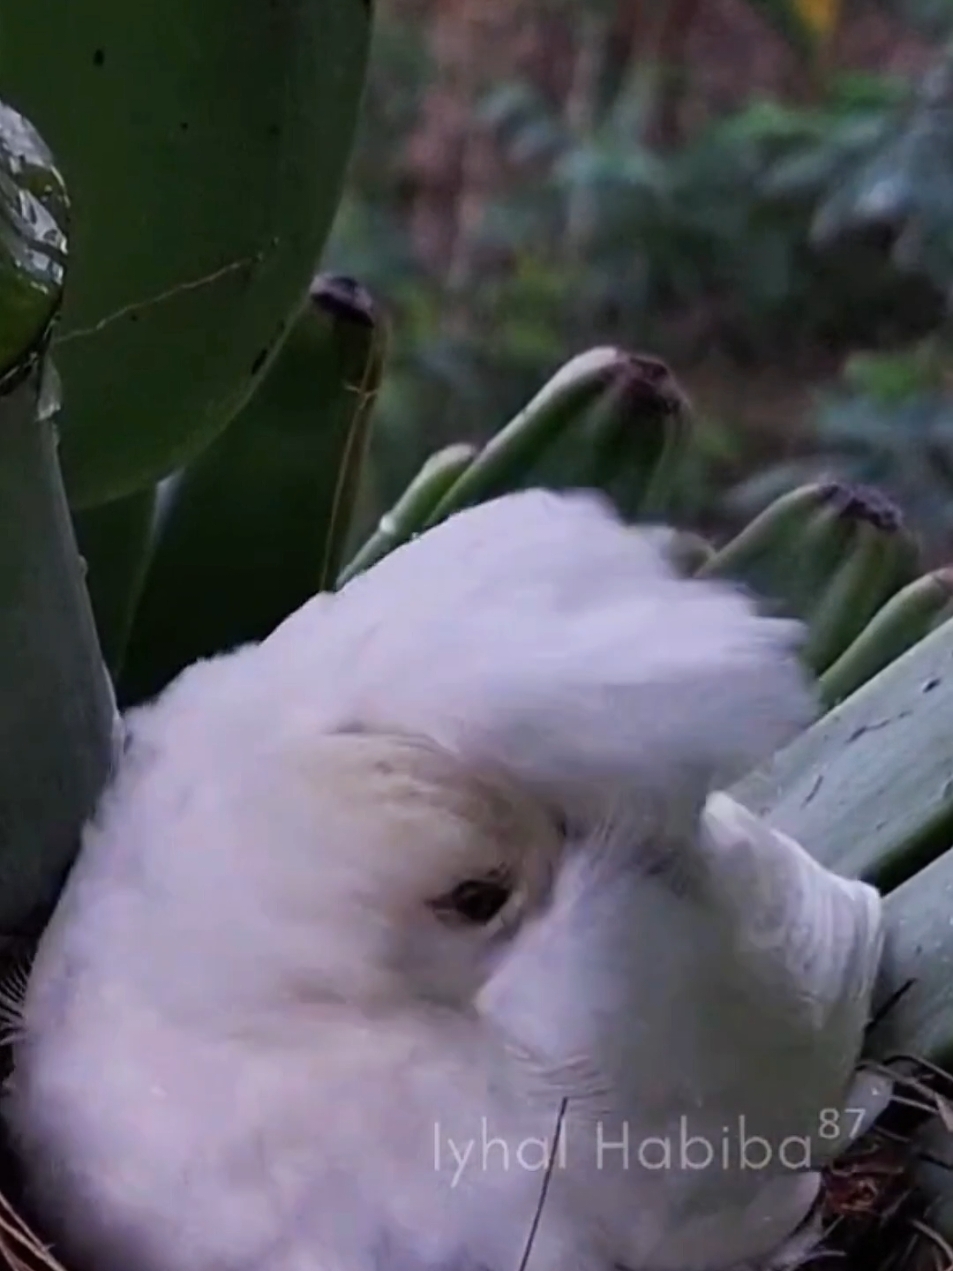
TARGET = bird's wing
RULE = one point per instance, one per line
(813, 942)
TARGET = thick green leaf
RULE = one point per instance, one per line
(34, 215)
(57, 713)
(114, 540)
(628, 443)
(204, 145)
(919, 955)
(561, 405)
(56, 707)
(917, 980)
(907, 617)
(869, 789)
(257, 524)
(409, 514)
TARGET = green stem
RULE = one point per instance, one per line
(58, 719)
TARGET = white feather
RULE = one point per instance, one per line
(249, 1040)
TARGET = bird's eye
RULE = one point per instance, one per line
(477, 900)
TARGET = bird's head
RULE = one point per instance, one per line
(423, 869)
(370, 803)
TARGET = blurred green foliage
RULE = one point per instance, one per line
(789, 232)
(888, 423)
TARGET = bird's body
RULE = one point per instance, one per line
(375, 908)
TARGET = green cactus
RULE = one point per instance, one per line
(867, 788)
(905, 619)
(57, 714)
(115, 540)
(828, 553)
(257, 524)
(204, 146)
(880, 556)
(414, 506)
(627, 444)
(509, 458)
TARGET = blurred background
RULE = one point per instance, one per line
(759, 191)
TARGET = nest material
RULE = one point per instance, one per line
(20, 1248)
(874, 1210)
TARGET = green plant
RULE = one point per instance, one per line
(907, 617)
(889, 423)
(784, 233)
(205, 155)
(57, 713)
(257, 523)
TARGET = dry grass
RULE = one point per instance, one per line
(20, 1247)
(874, 1210)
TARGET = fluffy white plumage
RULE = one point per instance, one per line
(259, 1035)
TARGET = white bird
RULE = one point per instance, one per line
(394, 928)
